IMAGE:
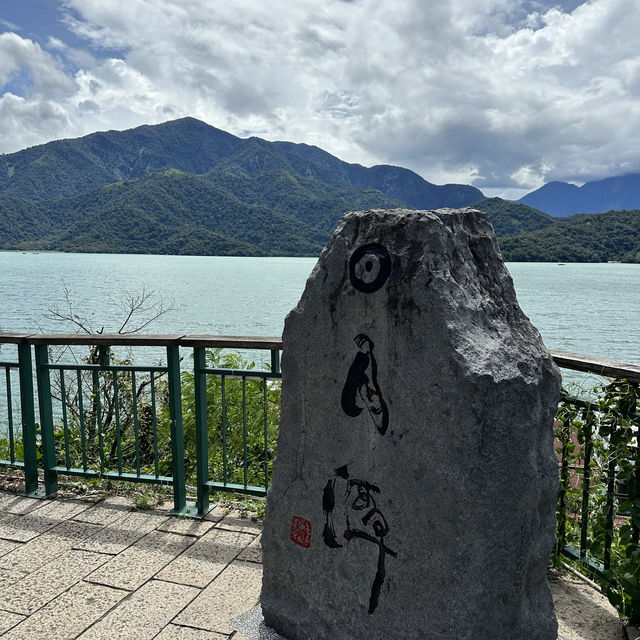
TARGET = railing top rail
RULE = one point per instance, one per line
(12, 337)
(600, 366)
(576, 361)
(107, 339)
(232, 342)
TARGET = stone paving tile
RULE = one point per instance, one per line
(186, 526)
(107, 511)
(69, 614)
(252, 553)
(144, 613)
(48, 546)
(122, 533)
(140, 562)
(12, 503)
(206, 558)
(583, 613)
(216, 514)
(8, 620)
(36, 522)
(235, 591)
(7, 546)
(8, 577)
(36, 589)
(174, 632)
(234, 522)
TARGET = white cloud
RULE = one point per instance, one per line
(21, 54)
(505, 93)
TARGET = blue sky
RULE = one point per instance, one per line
(502, 94)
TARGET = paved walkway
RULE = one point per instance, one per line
(77, 569)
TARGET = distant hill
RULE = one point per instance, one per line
(564, 199)
(186, 187)
(596, 237)
(511, 218)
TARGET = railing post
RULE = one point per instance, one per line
(177, 434)
(202, 435)
(25, 372)
(275, 361)
(46, 419)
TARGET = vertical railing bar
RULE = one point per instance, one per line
(46, 419)
(244, 431)
(154, 424)
(12, 450)
(65, 422)
(177, 434)
(202, 436)
(98, 406)
(134, 406)
(266, 433)
(27, 409)
(223, 383)
(586, 485)
(116, 409)
(83, 436)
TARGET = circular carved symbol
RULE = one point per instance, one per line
(369, 267)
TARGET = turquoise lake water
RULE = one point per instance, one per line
(585, 308)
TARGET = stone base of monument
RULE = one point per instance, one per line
(251, 625)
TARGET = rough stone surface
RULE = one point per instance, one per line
(414, 491)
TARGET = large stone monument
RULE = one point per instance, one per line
(413, 493)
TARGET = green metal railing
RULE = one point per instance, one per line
(212, 423)
(599, 461)
(101, 416)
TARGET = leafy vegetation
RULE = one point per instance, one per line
(597, 237)
(242, 415)
(599, 503)
(511, 218)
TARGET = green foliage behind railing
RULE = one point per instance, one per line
(599, 500)
(243, 413)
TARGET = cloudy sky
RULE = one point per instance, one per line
(502, 94)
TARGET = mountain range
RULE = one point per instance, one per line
(185, 187)
(564, 198)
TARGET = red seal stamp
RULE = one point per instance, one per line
(301, 531)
